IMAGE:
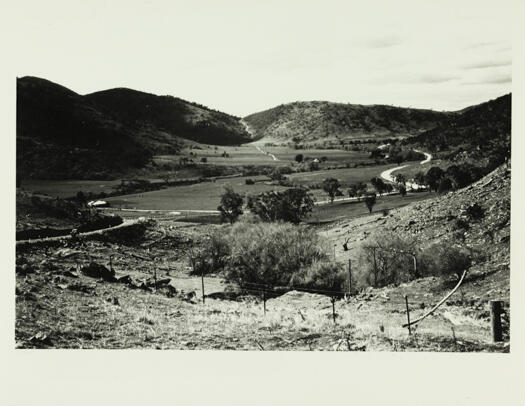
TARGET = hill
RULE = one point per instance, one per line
(321, 121)
(479, 134)
(61, 134)
(172, 115)
(446, 218)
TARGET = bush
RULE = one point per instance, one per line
(329, 276)
(277, 254)
(250, 181)
(445, 259)
(212, 257)
(387, 259)
(475, 212)
(231, 204)
(291, 205)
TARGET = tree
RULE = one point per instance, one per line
(459, 175)
(204, 159)
(291, 205)
(400, 178)
(231, 205)
(81, 197)
(276, 175)
(402, 190)
(357, 190)
(378, 184)
(445, 184)
(370, 201)
(433, 177)
(419, 178)
(167, 177)
(299, 158)
(331, 187)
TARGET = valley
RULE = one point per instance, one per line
(257, 233)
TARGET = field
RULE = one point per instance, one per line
(249, 154)
(346, 176)
(69, 188)
(328, 213)
(199, 196)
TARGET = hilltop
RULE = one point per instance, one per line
(322, 121)
(62, 134)
(478, 134)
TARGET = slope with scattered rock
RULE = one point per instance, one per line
(320, 121)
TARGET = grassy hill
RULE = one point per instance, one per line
(61, 134)
(321, 121)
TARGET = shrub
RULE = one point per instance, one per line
(212, 257)
(388, 259)
(204, 159)
(475, 212)
(331, 187)
(321, 275)
(250, 181)
(370, 201)
(277, 254)
(446, 259)
(231, 205)
(291, 205)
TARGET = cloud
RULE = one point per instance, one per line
(485, 44)
(487, 64)
(435, 78)
(382, 42)
(491, 80)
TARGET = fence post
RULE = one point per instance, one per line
(495, 320)
(408, 315)
(349, 277)
(202, 282)
(264, 300)
(333, 308)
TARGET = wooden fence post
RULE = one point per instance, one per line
(333, 308)
(349, 277)
(408, 315)
(495, 320)
(202, 282)
(264, 300)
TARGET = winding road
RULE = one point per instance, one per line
(388, 174)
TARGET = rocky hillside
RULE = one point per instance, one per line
(318, 121)
(61, 134)
(446, 217)
(480, 134)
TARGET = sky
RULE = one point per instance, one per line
(246, 56)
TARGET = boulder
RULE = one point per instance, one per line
(95, 270)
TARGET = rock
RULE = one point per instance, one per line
(40, 338)
(80, 287)
(24, 269)
(71, 273)
(66, 252)
(113, 300)
(126, 279)
(95, 270)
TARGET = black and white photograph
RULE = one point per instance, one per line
(262, 176)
